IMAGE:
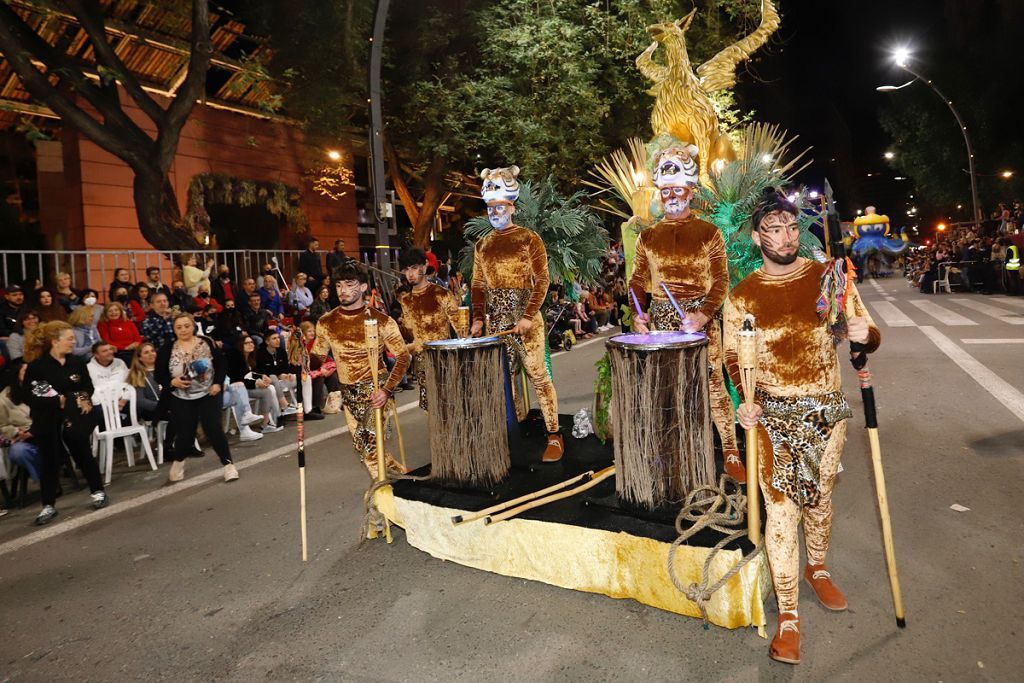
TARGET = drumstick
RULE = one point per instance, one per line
(502, 334)
(594, 481)
(636, 302)
(460, 519)
(675, 304)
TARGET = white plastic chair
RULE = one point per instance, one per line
(103, 440)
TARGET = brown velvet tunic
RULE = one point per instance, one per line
(428, 314)
(513, 258)
(795, 352)
(343, 333)
(689, 257)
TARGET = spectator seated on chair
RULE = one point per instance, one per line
(15, 422)
(83, 324)
(116, 329)
(270, 296)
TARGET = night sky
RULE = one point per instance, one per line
(818, 78)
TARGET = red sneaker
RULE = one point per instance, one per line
(734, 466)
(821, 581)
(785, 645)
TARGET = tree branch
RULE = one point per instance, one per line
(20, 44)
(401, 187)
(90, 16)
(194, 86)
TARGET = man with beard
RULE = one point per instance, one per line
(510, 281)
(428, 311)
(802, 310)
(342, 332)
(687, 255)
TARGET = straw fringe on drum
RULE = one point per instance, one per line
(662, 416)
(465, 392)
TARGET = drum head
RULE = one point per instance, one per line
(655, 341)
(463, 343)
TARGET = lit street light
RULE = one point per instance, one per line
(1007, 174)
(901, 56)
(889, 156)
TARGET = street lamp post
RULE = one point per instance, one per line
(901, 59)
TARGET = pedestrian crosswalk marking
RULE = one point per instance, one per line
(991, 382)
(943, 315)
(1008, 300)
(890, 315)
(1001, 314)
(993, 341)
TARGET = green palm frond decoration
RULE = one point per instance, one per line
(730, 199)
(575, 239)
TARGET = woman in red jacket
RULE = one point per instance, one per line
(115, 328)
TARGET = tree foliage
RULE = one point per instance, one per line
(549, 86)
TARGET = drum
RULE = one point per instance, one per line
(661, 416)
(467, 414)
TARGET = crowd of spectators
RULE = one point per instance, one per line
(190, 351)
(986, 262)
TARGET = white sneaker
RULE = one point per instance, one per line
(177, 472)
(271, 428)
(230, 472)
(251, 418)
(246, 434)
(290, 409)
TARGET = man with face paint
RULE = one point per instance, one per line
(428, 310)
(342, 332)
(799, 409)
(687, 255)
(510, 281)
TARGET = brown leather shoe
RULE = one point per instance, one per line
(555, 448)
(785, 645)
(821, 581)
(734, 466)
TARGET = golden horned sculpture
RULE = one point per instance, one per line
(683, 106)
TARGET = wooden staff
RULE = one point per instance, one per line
(859, 359)
(567, 493)
(398, 428)
(373, 355)
(301, 431)
(746, 353)
(459, 519)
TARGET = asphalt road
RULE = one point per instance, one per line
(203, 580)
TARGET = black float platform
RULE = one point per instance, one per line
(597, 508)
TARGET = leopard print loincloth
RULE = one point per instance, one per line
(664, 315)
(505, 307)
(802, 425)
(419, 369)
(356, 398)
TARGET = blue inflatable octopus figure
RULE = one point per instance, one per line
(871, 236)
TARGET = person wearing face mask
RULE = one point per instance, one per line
(687, 255)
(223, 289)
(510, 281)
(90, 297)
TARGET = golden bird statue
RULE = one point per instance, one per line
(683, 107)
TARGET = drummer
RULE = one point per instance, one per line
(429, 311)
(687, 254)
(510, 281)
(342, 332)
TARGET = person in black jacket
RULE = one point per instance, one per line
(242, 368)
(309, 263)
(62, 417)
(272, 362)
(191, 372)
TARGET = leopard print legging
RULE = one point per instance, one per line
(782, 525)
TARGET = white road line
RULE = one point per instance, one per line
(1001, 314)
(1000, 389)
(890, 315)
(146, 498)
(993, 341)
(1008, 300)
(878, 287)
(943, 315)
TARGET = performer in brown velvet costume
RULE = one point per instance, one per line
(510, 281)
(342, 332)
(687, 254)
(428, 311)
(799, 408)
